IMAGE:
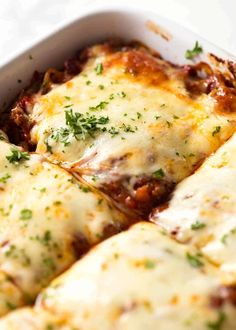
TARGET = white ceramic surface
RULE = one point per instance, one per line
(25, 21)
(93, 25)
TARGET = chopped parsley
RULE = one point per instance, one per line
(99, 69)
(68, 106)
(101, 86)
(100, 106)
(17, 156)
(216, 130)
(226, 236)
(121, 94)
(158, 174)
(194, 260)
(111, 97)
(84, 188)
(113, 131)
(26, 214)
(190, 54)
(57, 203)
(139, 115)
(1, 137)
(149, 264)
(10, 305)
(80, 126)
(197, 225)
(88, 82)
(218, 324)
(224, 239)
(4, 178)
(67, 98)
(128, 128)
(45, 239)
(48, 146)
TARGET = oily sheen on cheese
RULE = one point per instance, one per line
(47, 220)
(140, 279)
(151, 131)
(202, 210)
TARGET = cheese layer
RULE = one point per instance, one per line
(47, 221)
(151, 126)
(202, 210)
(140, 279)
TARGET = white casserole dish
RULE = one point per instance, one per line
(96, 25)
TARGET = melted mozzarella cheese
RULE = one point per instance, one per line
(152, 121)
(48, 219)
(202, 210)
(10, 295)
(140, 279)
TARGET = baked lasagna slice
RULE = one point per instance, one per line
(202, 211)
(47, 221)
(139, 279)
(129, 122)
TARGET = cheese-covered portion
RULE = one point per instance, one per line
(140, 279)
(11, 296)
(128, 124)
(202, 210)
(47, 221)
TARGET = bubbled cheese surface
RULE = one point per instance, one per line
(45, 219)
(153, 123)
(202, 210)
(140, 279)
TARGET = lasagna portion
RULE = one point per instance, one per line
(202, 211)
(48, 220)
(129, 122)
(139, 279)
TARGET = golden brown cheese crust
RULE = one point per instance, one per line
(148, 114)
(138, 279)
(132, 125)
(202, 210)
(48, 220)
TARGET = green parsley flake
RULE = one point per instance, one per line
(10, 305)
(26, 214)
(224, 239)
(100, 106)
(194, 261)
(113, 131)
(149, 264)
(4, 178)
(197, 49)
(17, 156)
(197, 225)
(128, 128)
(79, 126)
(218, 324)
(139, 115)
(158, 174)
(99, 69)
(57, 203)
(121, 94)
(216, 130)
